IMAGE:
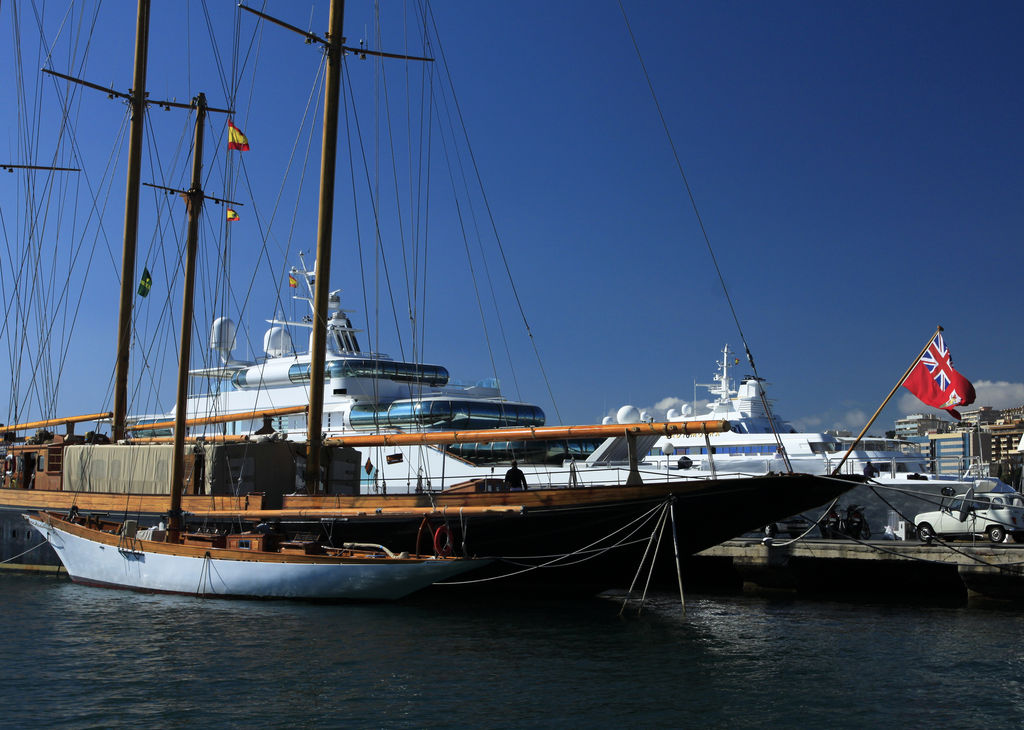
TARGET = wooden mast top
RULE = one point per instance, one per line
(318, 351)
(131, 221)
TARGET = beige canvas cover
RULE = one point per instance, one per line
(117, 468)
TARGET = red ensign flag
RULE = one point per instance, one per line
(936, 383)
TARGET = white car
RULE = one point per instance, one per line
(987, 514)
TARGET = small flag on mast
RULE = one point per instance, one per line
(292, 281)
(232, 215)
(236, 139)
(146, 283)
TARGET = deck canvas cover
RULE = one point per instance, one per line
(136, 469)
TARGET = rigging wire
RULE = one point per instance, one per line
(704, 233)
(501, 249)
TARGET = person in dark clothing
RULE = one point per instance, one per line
(514, 478)
(869, 470)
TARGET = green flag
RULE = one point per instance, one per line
(146, 283)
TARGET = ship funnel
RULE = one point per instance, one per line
(222, 338)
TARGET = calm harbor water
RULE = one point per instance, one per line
(86, 657)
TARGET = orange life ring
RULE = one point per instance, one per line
(443, 541)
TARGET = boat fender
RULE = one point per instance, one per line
(9, 464)
(685, 462)
(73, 513)
(443, 541)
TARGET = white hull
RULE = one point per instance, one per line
(136, 565)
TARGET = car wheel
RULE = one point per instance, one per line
(925, 532)
(996, 534)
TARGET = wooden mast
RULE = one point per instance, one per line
(131, 220)
(195, 205)
(318, 352)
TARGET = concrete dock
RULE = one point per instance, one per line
(879, 569)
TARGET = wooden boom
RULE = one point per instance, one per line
(57, 421)
(225, 418)
(537, 433)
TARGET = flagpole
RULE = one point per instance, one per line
(887, 399)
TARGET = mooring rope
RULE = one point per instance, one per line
(555, 561)
(203, 573)
(15, 557)
(659, 530)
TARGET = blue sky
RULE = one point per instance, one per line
(858, 168)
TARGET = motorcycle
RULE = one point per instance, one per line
(849, 523)
(829, 525)
(856, 524)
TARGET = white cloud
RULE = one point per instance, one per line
(999, 393)
(664, 404)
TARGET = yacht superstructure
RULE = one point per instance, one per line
(364, 391)
(752, 446)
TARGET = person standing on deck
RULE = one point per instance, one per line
(514, 478)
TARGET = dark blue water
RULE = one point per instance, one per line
(87, 657)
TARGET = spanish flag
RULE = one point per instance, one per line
(292, 281)
(146, 283)
(236, 139)
(232, 215)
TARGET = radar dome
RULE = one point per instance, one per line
(277, 342)
(672, 414)
(609, 420)
(685, 410)
(222, 334)
(222, 337)
(628, 414)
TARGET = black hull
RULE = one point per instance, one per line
(576, 545)
(587, 549)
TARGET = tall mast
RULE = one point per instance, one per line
(335, 46)
(195, 206)
(318, 353)
(131, 220)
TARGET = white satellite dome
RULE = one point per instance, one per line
(685, 410)
(645, 416)
(672, 414)
(607, 420)
(222, 337)
(277, 342)
(628, 414)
